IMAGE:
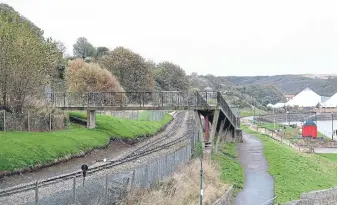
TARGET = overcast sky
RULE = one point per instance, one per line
(226, 37)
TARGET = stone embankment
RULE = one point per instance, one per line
(321, 197)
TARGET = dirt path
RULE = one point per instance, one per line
(115, 150)
(259, 184)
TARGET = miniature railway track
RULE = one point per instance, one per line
(135, 155)
(163, 138)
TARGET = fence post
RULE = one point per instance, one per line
(4, 120)
(132, 182)
(36, 193)
(146, 176)
(50, 122)
(28, 126)
(64, 99)
(166, 165)
(106, 190)
(74, 190)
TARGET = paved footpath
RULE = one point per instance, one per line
(259, 184)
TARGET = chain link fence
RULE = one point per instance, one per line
(33, 120)
(107, 186)
(153, 115)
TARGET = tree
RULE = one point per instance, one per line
(130, 69)
(101, 51)
(90, 77)
(85, 77)
(82, 48)
(61, 47)
(172, 77)
(26, 61)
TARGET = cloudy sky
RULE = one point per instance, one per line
(226, 37)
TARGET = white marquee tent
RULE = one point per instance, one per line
(331, 102)
(306, 98)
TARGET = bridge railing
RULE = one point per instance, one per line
(226, 109)
(131, 99)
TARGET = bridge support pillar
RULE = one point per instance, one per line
(229, 135)
(214, 127)
(206, 124)
(239, 135)
(219, 134)
(91, 119)
(198, 122)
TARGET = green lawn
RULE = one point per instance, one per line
(23, 149)
(231, 170)
(246, 112)
(295, 173)
(330, 156)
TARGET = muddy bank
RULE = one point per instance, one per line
(89, 154)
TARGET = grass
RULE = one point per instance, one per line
(246, 112)
(295, 173)
(183, 187)
(231, 170)
(146, 114)
(21, 150)
(330, 156)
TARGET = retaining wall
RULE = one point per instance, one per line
(321, 197)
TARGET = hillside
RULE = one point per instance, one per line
(291, 84)
(238, 95)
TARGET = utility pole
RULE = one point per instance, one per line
(201, 184)
(201, 175)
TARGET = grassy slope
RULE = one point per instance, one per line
(330, 156)
(295, 173)
(231, 170)
(23, 149)
(246, 112)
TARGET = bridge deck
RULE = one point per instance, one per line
(165, 100)
(103, 108)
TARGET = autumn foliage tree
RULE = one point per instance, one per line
(90, 77)
(130, 68)
(84, 77)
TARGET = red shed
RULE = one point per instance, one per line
(309, 129)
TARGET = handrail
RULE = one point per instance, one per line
(124, 99)
(226, 109)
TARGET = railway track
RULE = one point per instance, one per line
(181, 118)
(142, 151)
